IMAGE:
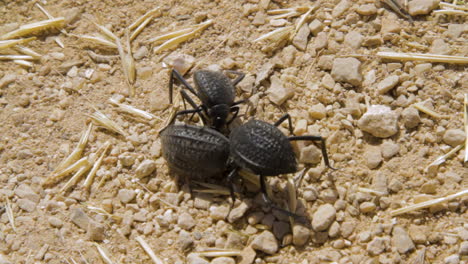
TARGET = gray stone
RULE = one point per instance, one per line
(55, 221)
(186, 221)
(454, 137)
(239, 211)
(410, 117)
(377, 246)
(452, 259)
(145, 168)
(354, 39)
(380, 121)
(315, 26)
(194, 258)
(185, 240)
(301, 235)
(310, 154)
(323, 217)
(278, 93)
(301, 38)
(439, 46)
(126, 195)
(265, 242)
(95, 231)
(367, 10)
(24, 191)
(388, 83)
(389, 149)
(401, 240)
(347, 70)
(321, 41)
(347, 228)
(280, 229)
(463, 250)
(219, 212)
(340, 8)
(422, 7)
(26, 205)
(79, 218)
(373, 157)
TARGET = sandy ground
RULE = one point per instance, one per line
(44, 110)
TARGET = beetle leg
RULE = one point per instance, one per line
(235, 111)
(176, 75)
(322, 146)
(240, 76)
(239, 102)
(198, 109)
(281, 120)
(230, 179)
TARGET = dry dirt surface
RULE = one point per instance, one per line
(115, 200)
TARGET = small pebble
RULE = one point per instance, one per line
(223, 260)
(389, 149)
(323, 217)
(219, 212)
(185, 240)
(373, 157)
(186, 221)
(380, 121)
(238, 212)
(354, 39)
(341, 7)
(315, 26)
(278, 93)
(367, 10)
(95, 231)
(301, 235)
(454, 137)
(265, 242)
(301, 38)
(452, 259)
(387, 84)
(317, 111)
(247, 255)
(411, 117)
(79, 218)
(347, 70)
(126, 195)
(55, 221)
(367, 207)
(145, 168)
(401, 240)
(463, 250)
(377, 246)
(422, 7)
(194, 258)
(26, 205)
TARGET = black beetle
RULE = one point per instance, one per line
(263, 149)
(216, 92)
(194, 151)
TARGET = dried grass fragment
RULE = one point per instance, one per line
(102, 120)
(217, 252)
(76, 153)
(10, 215)
(104, 212)
(444, 157)
(132, 110)
(5, 44)
(422, 57)
(450, 12)
(428, 111)
(97, 40)
(175, 41)
(276, 35)
(287, 12)
(35, 27)
(24, 63)
(374, 192)
(429, 203)
(465, 114)
(16, 57)
(452, 6)
(89, 179)
(148, 250)
(77, 176)
(57, 176)
(28, 51)
(104, 254)
(142, 21)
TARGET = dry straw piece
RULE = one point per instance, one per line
(444, 157)
(174, 39)
(132, 110)
(148, 250)
(104, 254)
(102, 120)
(465, 114)
(217, 252)
(422, 57)
(5, 44)
(10, 215)
(428, 111)
(89, 179)
(32, 28)
(429, 203)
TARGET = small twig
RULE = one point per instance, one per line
(148, 250)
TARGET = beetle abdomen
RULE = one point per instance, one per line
(262, 148)
(214, 88)
(194, 151)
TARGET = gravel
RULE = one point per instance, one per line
(401, 240)
(422, 7)
(265, 242)
(380, 121)
(454, 137)
(347, 70)
(323, 217)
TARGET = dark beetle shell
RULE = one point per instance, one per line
(214, 88)
(262, 148)
(194, 151)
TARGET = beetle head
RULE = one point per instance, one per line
(219, 113)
